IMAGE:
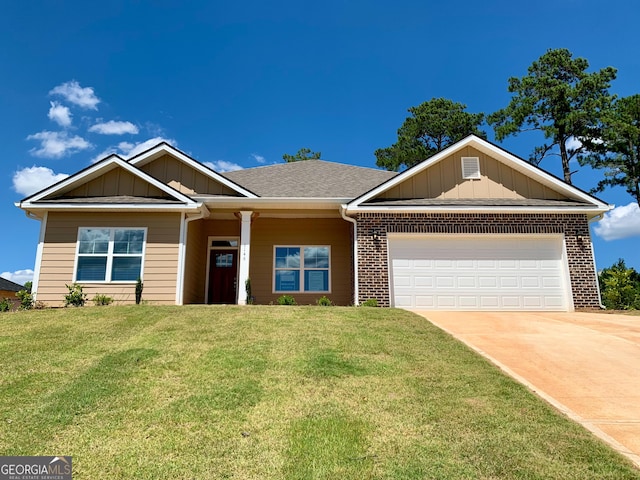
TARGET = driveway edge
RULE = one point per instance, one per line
(617, 446)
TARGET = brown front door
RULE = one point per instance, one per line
(223, 274)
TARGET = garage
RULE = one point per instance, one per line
(479, 272)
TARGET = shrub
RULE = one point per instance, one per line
(371, 302)
(26, 299)
(620, 287)
(324, 302)
(247, 287)
(99, 300)
(286, 300)
(5, 305)
(75, 297)
(139, 287)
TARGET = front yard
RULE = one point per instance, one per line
(274, 392)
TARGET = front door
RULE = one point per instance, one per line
(223, 276)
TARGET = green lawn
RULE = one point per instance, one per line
(274, 392)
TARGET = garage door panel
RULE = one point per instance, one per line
(478, 272)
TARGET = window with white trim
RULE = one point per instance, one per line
(301, 269)
(110, 254)
(471, 168)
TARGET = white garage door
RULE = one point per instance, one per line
(478, 272)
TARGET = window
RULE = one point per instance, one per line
(301, 269)
(471, 168)
(110, 254)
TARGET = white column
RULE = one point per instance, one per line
(38, 266)
(244, 255)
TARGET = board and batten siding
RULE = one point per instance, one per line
(268, 232)
(184, 178)
(444, 180)
(117, 182)
(160, 260)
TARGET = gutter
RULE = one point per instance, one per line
(343, 213)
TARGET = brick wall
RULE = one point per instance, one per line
(373, 269)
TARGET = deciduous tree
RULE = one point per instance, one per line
(562, 100)
(432, 126)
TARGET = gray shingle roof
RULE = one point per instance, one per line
(113, 200)
(9, 286)
(311, 179)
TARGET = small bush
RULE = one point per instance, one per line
(5, 305)
(286, 300)
(324, 302)
(75, 297)
(371, 302)
(99, 300)
(26, 299)
(139, 287)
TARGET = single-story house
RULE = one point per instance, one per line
(473, 227)
(8, 289)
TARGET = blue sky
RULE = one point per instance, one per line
(237, 85)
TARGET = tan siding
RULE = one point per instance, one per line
(267, 232)
(184, 178)
(116, 182)
(444, 180)
(160, 262)
(197, 252)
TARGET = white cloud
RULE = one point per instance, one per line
(131, 150)
(72, 92)
(19, 276)
(127, 149)
(33, 179)
(621, 222)
(113, 127)
(223, 166)
(57, 144)
(573, 143)
(60, 114)
(258, 158)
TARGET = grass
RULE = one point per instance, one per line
(274, 392)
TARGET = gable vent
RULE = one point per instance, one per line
(470, 168)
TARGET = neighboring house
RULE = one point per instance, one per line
(473, 227)
(8, 289)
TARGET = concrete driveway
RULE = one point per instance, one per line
(585, 364)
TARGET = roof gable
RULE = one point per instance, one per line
(186, 174)
(504, 176)
(111, 177)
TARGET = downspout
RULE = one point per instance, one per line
(343, 213)
(597, 218)
(184, 231)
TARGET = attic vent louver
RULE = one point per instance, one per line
(470, 168)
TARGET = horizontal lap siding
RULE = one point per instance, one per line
(267, 232)
(160, 262)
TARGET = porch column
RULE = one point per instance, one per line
(244, 255)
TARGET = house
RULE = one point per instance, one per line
(8, 289)
(473, 227)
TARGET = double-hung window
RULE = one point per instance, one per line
(110, 254)
(301, 269)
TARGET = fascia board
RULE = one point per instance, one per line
(99, 169)
(499, 154)
(164, 148)
(352, 210)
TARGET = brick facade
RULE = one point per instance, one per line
(373, 269)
